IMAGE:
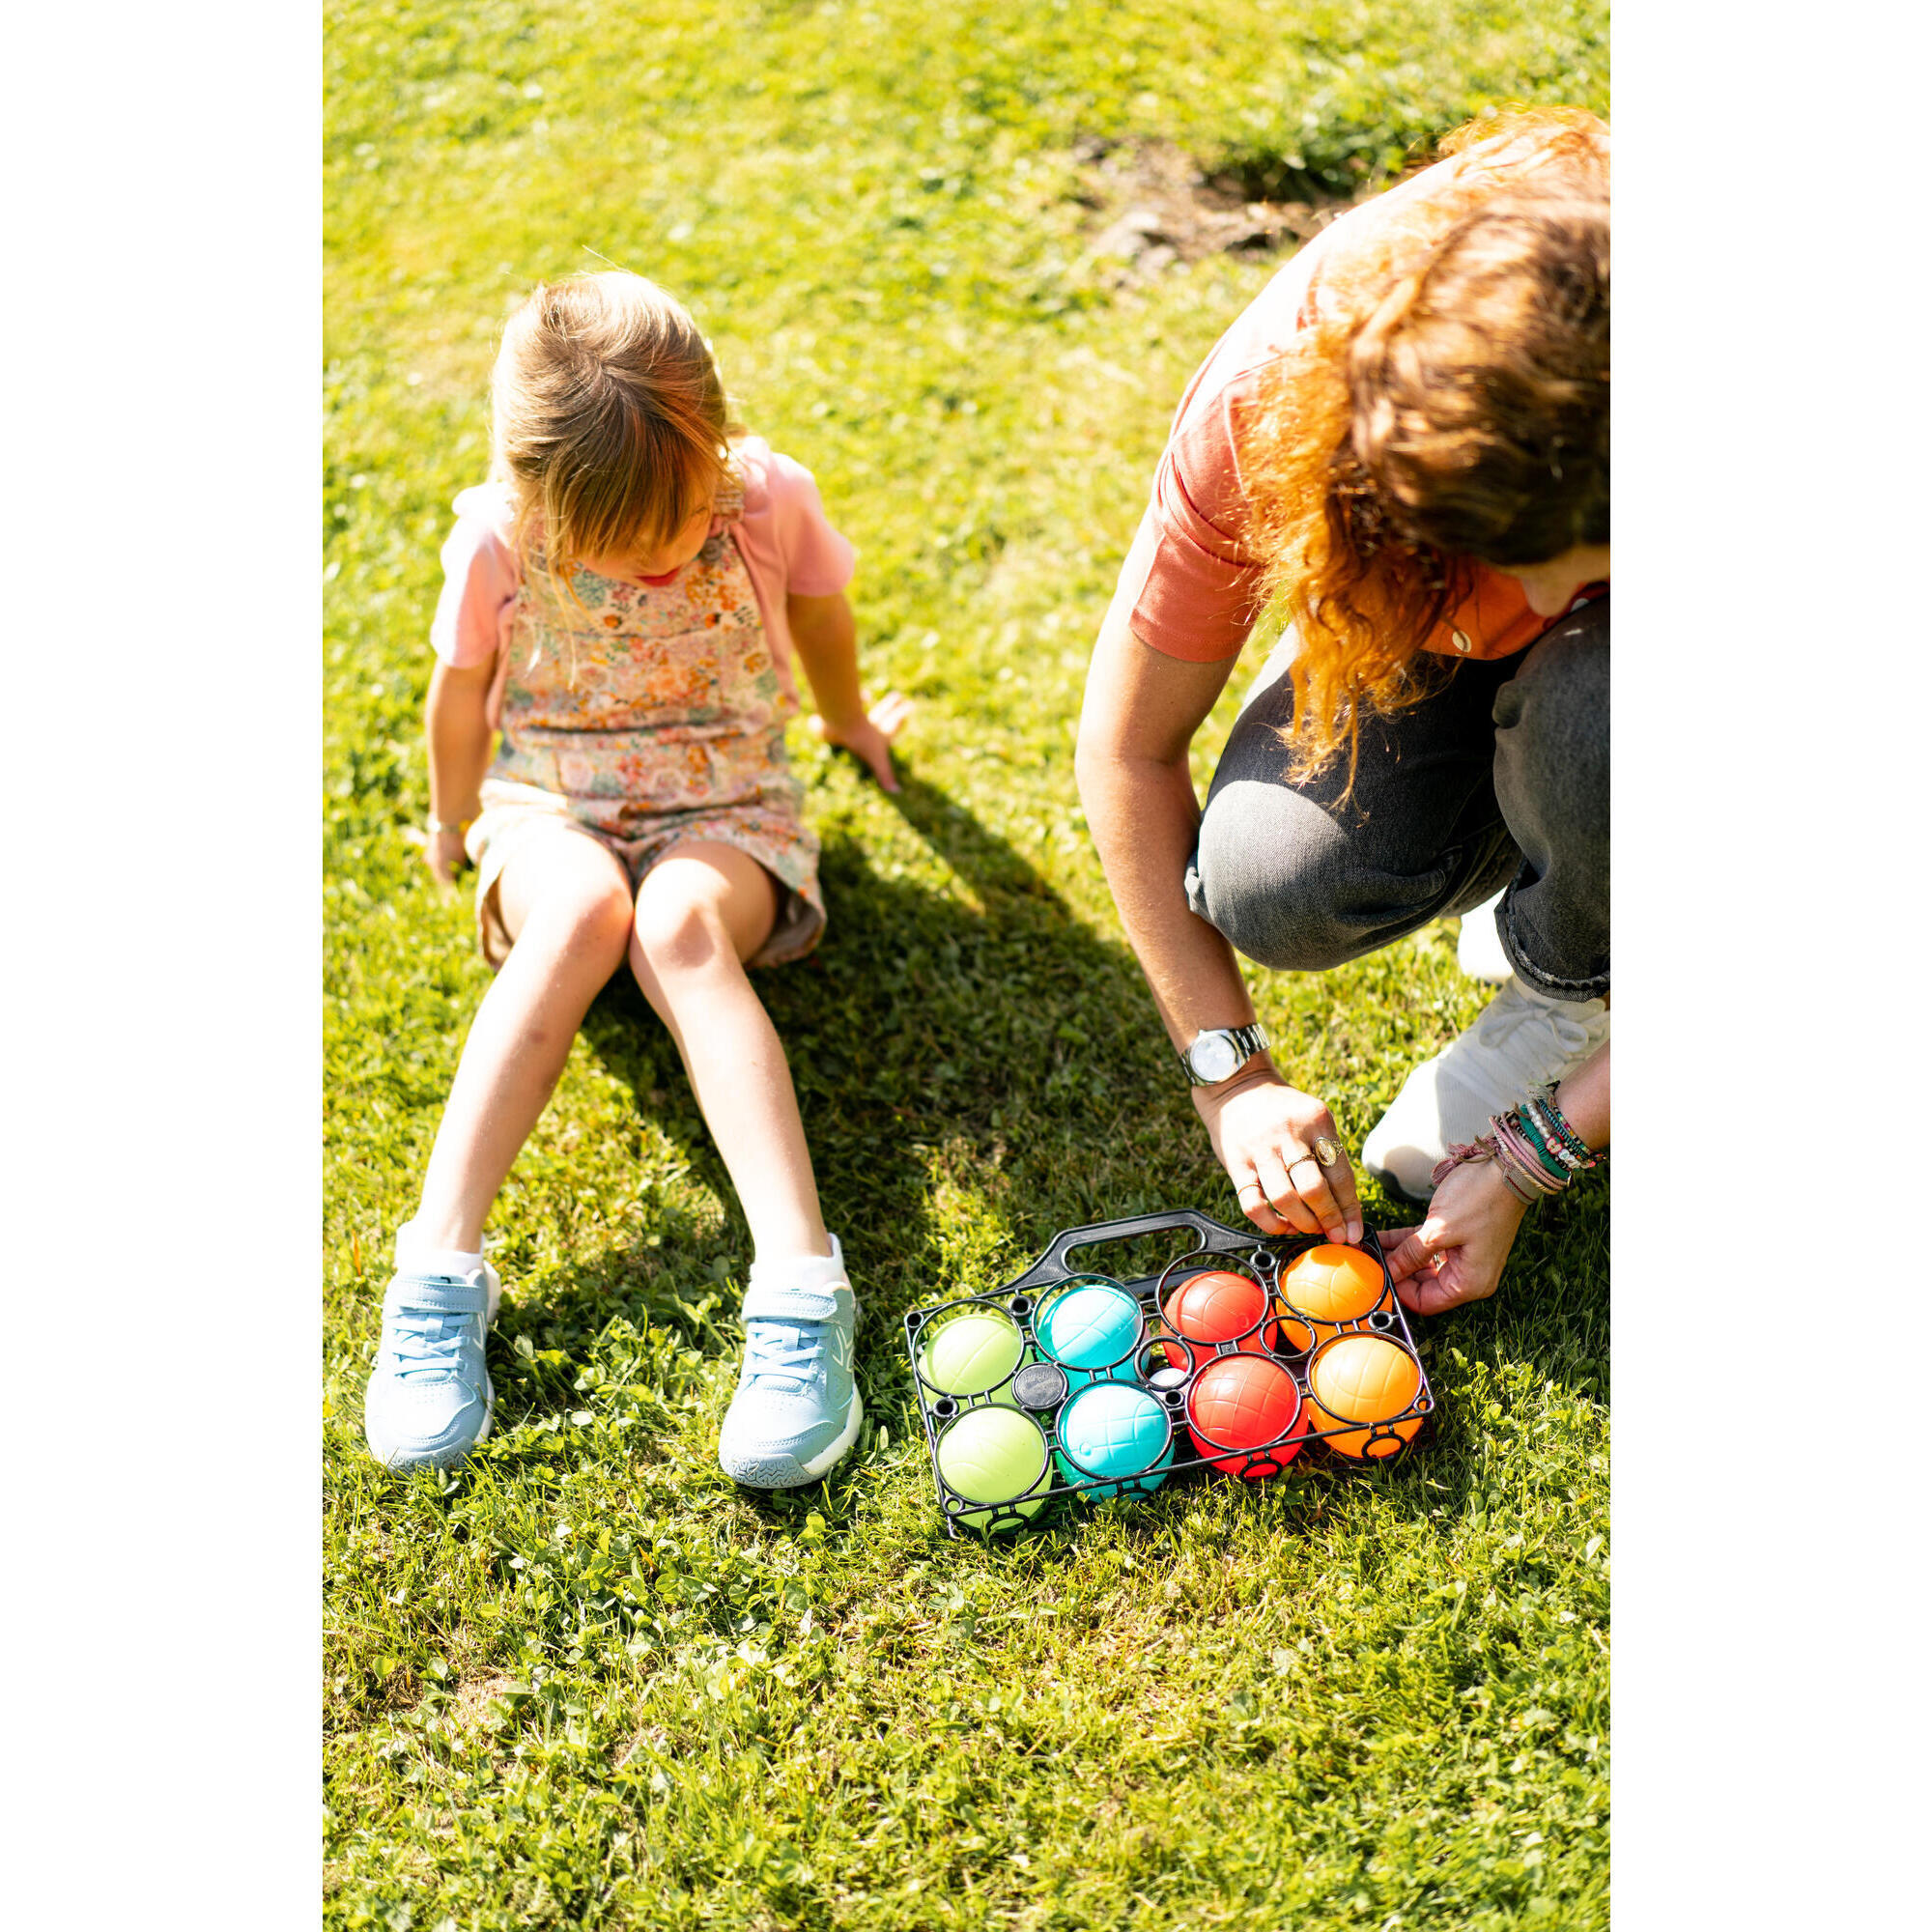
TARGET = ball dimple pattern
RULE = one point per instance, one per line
(1331, 1284)
(1114, 1429)
(972, 1352)
(1090, 1328)
(1219, 1306)
(1246, 1403)
(1364, 1378)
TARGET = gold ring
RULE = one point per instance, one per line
(1327, 1152)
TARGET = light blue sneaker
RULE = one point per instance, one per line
(797, 1408)
(430, 1397)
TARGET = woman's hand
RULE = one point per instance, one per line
(1457, 1253)
(1262, 1131)
(870, 736)
(444, 856)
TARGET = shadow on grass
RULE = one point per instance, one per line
(990, 1039)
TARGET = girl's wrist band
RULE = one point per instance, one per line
(1516, 1187)
(1537, 1116)
(440, 825)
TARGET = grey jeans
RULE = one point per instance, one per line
(1501, 778)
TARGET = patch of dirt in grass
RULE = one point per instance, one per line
(473, 1696)
(1155, 206)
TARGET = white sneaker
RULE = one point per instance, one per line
(1479, 952)
(1521, 1039)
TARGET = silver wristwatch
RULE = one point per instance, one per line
(1217, 1053)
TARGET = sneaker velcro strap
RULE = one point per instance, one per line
(789, 1304)
(438, 1293)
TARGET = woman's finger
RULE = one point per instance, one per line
(1341, 1184)
(1415, 1249)
(890, 712)
(1426, 1293)
(1447, 1284)
(1253, 1197)
(1311, 1182)
(1284, 1196)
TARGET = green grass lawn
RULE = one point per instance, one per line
(586, 1681)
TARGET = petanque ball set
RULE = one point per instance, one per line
(1235, 1358)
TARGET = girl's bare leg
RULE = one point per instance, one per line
(567, 904)
(701, 913)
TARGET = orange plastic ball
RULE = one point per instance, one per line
(1219, 1306)
(1245, 1402)
(1331, 1284)
(1363, 1378)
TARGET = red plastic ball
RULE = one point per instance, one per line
(1219, 1306)
(1246, 1402)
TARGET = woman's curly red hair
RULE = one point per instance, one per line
(1447, 403)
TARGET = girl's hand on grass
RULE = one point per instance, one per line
(1457, 1253)
(1262, 1131)
(444, 856)
(870, 737)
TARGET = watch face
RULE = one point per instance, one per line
(1214, 1056)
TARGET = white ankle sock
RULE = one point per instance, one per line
(420, 1259)
(805, 1272)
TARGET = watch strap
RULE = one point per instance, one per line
(1247, 1041)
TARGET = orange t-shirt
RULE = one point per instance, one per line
(1195, 589)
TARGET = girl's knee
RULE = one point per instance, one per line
(602, 927)
(678, 931)
(1563, 689)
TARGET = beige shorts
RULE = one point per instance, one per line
(768, 828)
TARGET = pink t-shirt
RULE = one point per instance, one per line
(788, 546)
(1195, 589)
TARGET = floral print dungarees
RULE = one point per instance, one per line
(652, 717)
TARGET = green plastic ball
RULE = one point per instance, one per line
(972, 1352)
(994, 1455)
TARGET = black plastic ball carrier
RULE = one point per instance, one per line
(1072, 1382)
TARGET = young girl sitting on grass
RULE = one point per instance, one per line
(622, 602)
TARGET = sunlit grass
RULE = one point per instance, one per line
(586, 1681)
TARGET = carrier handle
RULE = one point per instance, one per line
(1052, 1265)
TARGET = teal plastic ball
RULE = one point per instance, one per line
(1114, 1429)
(1093, 1327)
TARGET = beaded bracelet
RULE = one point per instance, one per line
(1544, 1099)
(1553, 1159)
(1536, 1116)
(1531, 1164)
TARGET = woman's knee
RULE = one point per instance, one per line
(1272, 875)
(593, 922)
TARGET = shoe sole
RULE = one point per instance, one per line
(787, 1472)
(1394, 1187)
